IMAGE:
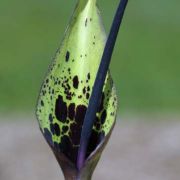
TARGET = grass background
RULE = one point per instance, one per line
(146, 60)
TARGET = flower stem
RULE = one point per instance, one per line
(98, 85)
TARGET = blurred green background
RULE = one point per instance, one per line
(145, 64)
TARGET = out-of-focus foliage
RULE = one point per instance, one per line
(145, 64)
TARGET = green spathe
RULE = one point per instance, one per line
(66, 90)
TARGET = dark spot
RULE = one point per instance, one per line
(50, 117)
(61, 109)
(80, 96)
(75, 82)
(87, 95)
(65, 129)
(47, 80)
(84, 90)
(71, 111)
(86, 22)
(90, 19)
(56, 129)
(67, 56)
(88, 76)
(80, 114)
(69, 97)
(103, 116)
(88, 88)
(42, 103)
(48, 136)
(93, 43)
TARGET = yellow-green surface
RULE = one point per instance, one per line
(145, 64)
(66, 89)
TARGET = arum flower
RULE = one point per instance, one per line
(77, 104)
